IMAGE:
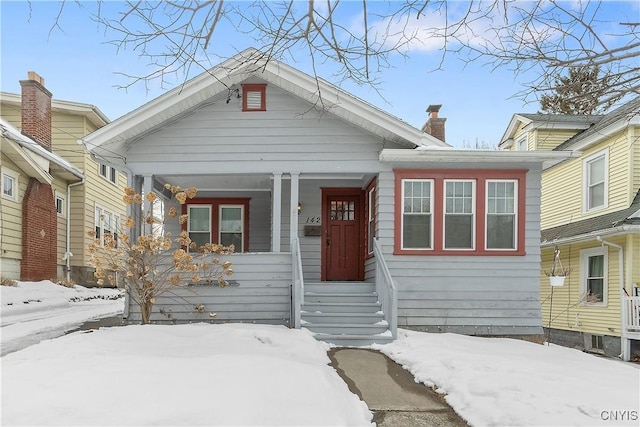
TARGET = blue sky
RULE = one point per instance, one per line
(79, 66)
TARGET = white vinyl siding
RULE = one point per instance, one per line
(501, 214)
(595, 181)
(371, 219)
(459, 214)
(417, 214)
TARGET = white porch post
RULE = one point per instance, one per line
(276, 210)
(293, 208)
(147, 187)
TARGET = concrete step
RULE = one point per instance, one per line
(342, 307)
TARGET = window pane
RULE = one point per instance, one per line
(416, 231)
(501, 232)
(231, 219)
(200, 238)
(199, 218)
(235, 239)
(596, 195)
(596, 266)
(596, 171)
(7, 185)
(458, 231)
(595, 288)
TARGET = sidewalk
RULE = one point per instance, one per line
(390, 392)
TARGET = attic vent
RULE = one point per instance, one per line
(254, 97)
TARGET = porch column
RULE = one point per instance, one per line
(276, 210)
(293, 208)
(147, 187)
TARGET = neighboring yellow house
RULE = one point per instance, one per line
(91, 203)
(590, 217)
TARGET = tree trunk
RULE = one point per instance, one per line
(145, 311)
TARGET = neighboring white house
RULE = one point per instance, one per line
(329, 195)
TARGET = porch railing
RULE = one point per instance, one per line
(631, 315)
(297, 287)
(386, 289)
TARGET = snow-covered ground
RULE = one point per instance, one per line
(33, 311)
(234, 374)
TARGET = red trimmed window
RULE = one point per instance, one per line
(469, 212)
(254, 97)
(223, 221)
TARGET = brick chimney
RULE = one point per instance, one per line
(434, 125)
(36, 110)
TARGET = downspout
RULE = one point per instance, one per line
(623, 339)
(67, 255)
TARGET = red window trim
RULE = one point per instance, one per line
(215, 215)
(480, 176)
(254, 87)
(371, 186)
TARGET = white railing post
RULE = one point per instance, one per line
(297, 287)
(386, 289)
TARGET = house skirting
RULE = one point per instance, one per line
(581, 341)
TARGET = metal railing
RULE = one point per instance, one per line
(297, 287)
(631, 314)
(386, 289)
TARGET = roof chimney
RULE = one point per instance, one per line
(434, 125)
(36, 109)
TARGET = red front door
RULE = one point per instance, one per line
(342, 254)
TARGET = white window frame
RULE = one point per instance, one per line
(15, 178)
(62, 213)
(586, 184)
(516, 215)
(522, 141)
(110, 173)
(99, 223)
(242, 230)
(585, 254)
(199, 206)
(473, 214)
(431, 213)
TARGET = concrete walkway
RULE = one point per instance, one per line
(390, 392)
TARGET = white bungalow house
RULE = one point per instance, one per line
(347, 221)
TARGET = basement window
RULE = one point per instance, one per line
(254, 97)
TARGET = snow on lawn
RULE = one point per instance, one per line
(507, 382)
(33, 311)
(198, 374)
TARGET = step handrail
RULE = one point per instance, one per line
(386, 289)
(297, 288)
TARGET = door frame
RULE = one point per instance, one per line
(341, 191)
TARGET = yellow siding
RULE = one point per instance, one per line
(568, 311)
(562, 185)
(631, 263)
(634, 159)
(548, 139)
(11, 113)
(12, 215)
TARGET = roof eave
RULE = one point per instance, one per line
(609, 232)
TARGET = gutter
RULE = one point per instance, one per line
(623, 338)
(67, 255)
(612, 232)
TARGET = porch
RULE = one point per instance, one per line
(304, 257)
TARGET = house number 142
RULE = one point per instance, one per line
(312, 220)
